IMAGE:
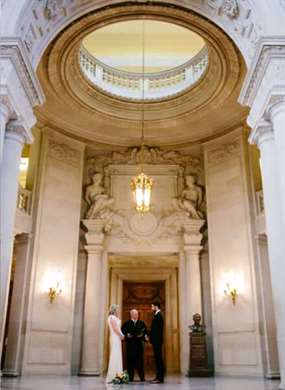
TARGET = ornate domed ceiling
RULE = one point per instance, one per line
(205, 107)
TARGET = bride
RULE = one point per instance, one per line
(116, 336)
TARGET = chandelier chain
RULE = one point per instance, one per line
(143, 80)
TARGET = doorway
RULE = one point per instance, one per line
(140, 296)
(134, 281)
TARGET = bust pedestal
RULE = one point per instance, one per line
(198, 356)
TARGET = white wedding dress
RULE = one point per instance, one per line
(115, 359)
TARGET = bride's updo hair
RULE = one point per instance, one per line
(113, 309)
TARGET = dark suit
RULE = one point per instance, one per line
(156, 339)
(135, 336)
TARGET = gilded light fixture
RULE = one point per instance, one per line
(53, 285)
(142, 184)
(231, 292)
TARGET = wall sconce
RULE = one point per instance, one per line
(53, 285)
(231, 291)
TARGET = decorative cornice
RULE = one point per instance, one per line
(14, 50)
(54, 14)
(17, 131)
(268, 48)
(262, 133)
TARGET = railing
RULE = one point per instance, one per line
(131, 85)
(24, 200)
(259, 202)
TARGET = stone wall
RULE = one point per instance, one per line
(49, 325)
(235, 327)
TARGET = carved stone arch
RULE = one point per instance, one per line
(39, 25)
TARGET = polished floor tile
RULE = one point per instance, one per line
(172, 383)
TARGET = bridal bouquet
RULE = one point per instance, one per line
(121, 378)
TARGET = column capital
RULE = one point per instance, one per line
(276, 105)
(94, 249)
(262, 133)
(265, 79)
(17, 131)
(193, 249)
(6, 108)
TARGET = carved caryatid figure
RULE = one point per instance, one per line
(98, 201)
(191, 199)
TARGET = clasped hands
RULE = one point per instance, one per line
(139, 336)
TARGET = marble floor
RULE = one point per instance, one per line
(173, 382)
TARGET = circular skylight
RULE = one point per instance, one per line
(166, 45)
(143, 59)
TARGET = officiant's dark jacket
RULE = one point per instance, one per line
(135, 336)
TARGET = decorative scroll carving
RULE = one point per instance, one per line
(64, 153)
(230, 8)
(52, 8)
(153, 227)
(223, 152)
(145, 155)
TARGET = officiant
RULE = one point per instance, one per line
(135, 332)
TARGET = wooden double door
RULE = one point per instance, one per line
(140, 295)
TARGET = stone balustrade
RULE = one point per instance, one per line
(132, 85)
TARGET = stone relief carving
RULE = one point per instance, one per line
(64, 153)
(49, 11)
(230, 8)
(191, 199)
(145, 155)
(223, 152)
(52, 8)
(127, 224)
(98, 201)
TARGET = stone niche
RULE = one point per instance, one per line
(160, 229)
(160, 234)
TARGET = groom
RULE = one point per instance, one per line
(135, 334)
(156, 339)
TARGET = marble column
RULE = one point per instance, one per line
(9, 172)
(17, 317)
(4, 117)
(265, 139)
(193, 275)
(192, 249)
(91, 345)
(192, 278)
(277, 113)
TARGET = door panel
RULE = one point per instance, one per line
(140, 296)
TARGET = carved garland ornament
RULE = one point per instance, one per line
(64, 153)
(223, 152)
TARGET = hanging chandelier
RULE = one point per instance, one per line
(142, 184)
